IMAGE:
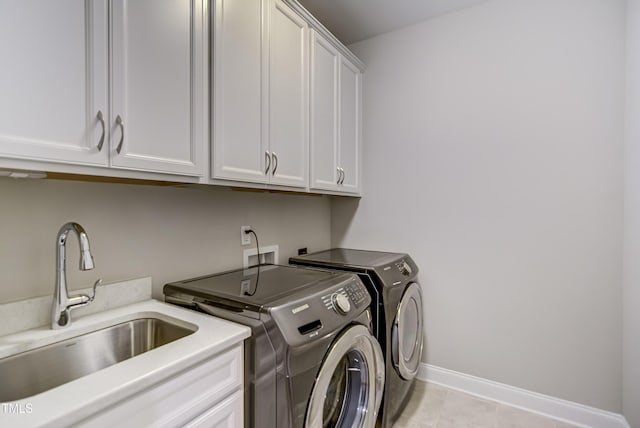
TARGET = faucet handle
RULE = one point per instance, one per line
(95, 285)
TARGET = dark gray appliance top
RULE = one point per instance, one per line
(299, 300)
(254, 287)
(346, 257)
(392, 269)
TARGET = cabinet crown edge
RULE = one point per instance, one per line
(320, 28)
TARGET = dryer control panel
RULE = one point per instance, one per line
(404, 268)
(397, 273)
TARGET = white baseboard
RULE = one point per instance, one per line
(556, 408)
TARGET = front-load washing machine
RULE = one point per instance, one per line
(397, 311)
(312, 360)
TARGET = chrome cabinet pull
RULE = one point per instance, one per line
(343, 176)
(339, 175)
(275, 162)
(100, 117)
(120, 123)
(268, 162)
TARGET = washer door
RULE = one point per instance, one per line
(407, 333)
(348, 389)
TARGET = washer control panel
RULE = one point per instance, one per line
(340, 300)
(357, 293)
(320, 309)
(340, 303)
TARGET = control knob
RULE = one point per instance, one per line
(340, 303)
(405, 269)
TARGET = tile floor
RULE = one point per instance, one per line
(434, 406)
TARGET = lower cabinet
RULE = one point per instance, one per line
(206, 394)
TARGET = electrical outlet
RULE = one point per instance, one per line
(245, 238)
(245, 286)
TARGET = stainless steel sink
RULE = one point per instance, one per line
(38, 370)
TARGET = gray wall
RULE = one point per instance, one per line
(166, 233)
(631, 383)
(493, 154)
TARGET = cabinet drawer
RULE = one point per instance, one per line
(179, 399)
(227, 414)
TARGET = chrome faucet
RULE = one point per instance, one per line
(62, 303)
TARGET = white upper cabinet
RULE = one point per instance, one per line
(71, 94)
(288, 96)
(239, 150)
(350, 125)
(335, 119)
(53, 81)
(260, 93)
(121, 88)
(325, 60)
(157, 85)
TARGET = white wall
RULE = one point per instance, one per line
(631, 353)
(167, 233)
(493, 155)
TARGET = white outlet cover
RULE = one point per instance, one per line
(245, 286)
(245, 238)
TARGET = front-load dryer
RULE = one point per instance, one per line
(312, 360)
(397, 311)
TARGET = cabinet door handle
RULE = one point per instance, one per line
(120, 123)
(100, 117)
(275, 163)
(339, 175)
(268, 162)
(343, 176)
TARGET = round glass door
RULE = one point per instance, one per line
(348, 389)
(407, 333)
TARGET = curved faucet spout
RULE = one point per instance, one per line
(62, 303)
(86, 259)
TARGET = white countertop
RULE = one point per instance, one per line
(73, 401)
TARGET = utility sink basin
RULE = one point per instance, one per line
(38, 370)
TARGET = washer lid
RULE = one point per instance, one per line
(253, 288)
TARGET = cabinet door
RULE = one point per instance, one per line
(209, 391)
(239, 67)
(324, 114)
(53, 81)
(288, 96)
(157, 85)
(350, 125)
